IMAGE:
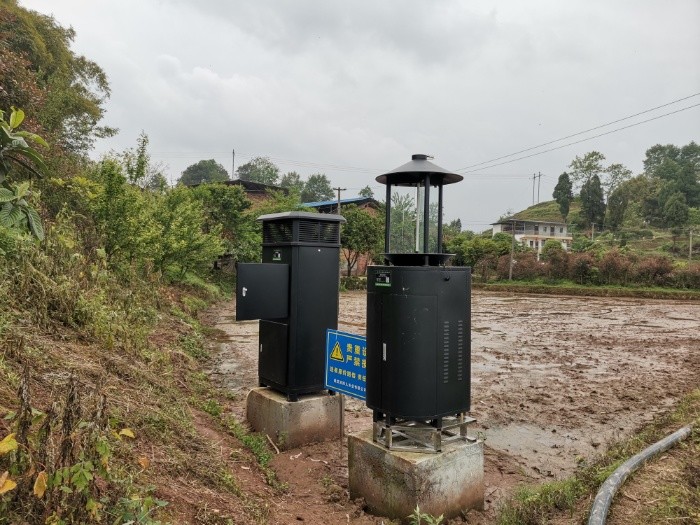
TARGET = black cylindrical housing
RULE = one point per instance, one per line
(418, 341)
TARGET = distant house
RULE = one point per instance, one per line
(533, 233)
(256, 191)
(332, 206)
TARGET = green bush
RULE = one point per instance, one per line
(354, 282)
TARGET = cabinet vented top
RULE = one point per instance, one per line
(301, 228)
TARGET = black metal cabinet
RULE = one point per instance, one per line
(291, 356)
(418, 344)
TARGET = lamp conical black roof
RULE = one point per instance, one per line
(413, 173)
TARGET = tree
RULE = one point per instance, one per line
(293, 182)
(361, 235)
(563, 194)
(139, 168)
(317, 188)
(583, 169)
(592, 203)
(675, 213)
(203, 171)
(403, 223)
(183, 244)
(259, 169)
(616, 208)
(366, 192)
(225, 208)
(64, 91)
(679, 167)
(616, 174)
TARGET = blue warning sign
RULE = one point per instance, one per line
(346, 363)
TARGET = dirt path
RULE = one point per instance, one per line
(554, 379)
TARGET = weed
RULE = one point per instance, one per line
(418, 518)
(193, 345)
(212, 407)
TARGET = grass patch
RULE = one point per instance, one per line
(257, 444)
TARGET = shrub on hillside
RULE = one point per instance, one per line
(653, 271)
(582, 268)
(614, 268)
(687, 277)
(525, 266)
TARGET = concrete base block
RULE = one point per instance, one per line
(393, 483)
(291, 424)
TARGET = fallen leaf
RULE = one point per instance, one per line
(40, 484)
(144, 462)
(7, 484)
(127, 432)
(8, 444)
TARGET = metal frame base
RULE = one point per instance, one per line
(420, 436)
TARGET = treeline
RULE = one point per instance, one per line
(666, 195)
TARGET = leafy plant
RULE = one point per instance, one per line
(417, 518)
(15, 152)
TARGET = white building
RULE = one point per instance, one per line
(533, 234)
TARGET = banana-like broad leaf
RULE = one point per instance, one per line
(34, 222)
(16, 117)
(6, 195)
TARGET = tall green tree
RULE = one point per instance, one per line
(202, 172)
(582, 169)
(361, 235)
(63, 91)
(366, 192)
(563, 194)
(259, 169)
(317, 188)
(678, 167)
(592, 201)
(616, 208)
(615, 174)
(293, 182)
(675, 211)
(227, 208)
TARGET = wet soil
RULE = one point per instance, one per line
(554, 380)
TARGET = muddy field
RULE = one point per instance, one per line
(554, 380)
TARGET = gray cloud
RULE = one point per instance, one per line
(367, 83)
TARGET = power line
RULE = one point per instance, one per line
(581, 132)
(584, 140)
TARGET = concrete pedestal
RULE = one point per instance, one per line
(393, 483)
(291, 424)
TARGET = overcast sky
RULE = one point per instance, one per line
(352, 89)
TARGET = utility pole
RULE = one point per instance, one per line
(690, 246)
(339, 189)
(233, 163)
(512, 249)
(533, 188)
(539, 178)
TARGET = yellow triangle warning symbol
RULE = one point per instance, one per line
(337, 353)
